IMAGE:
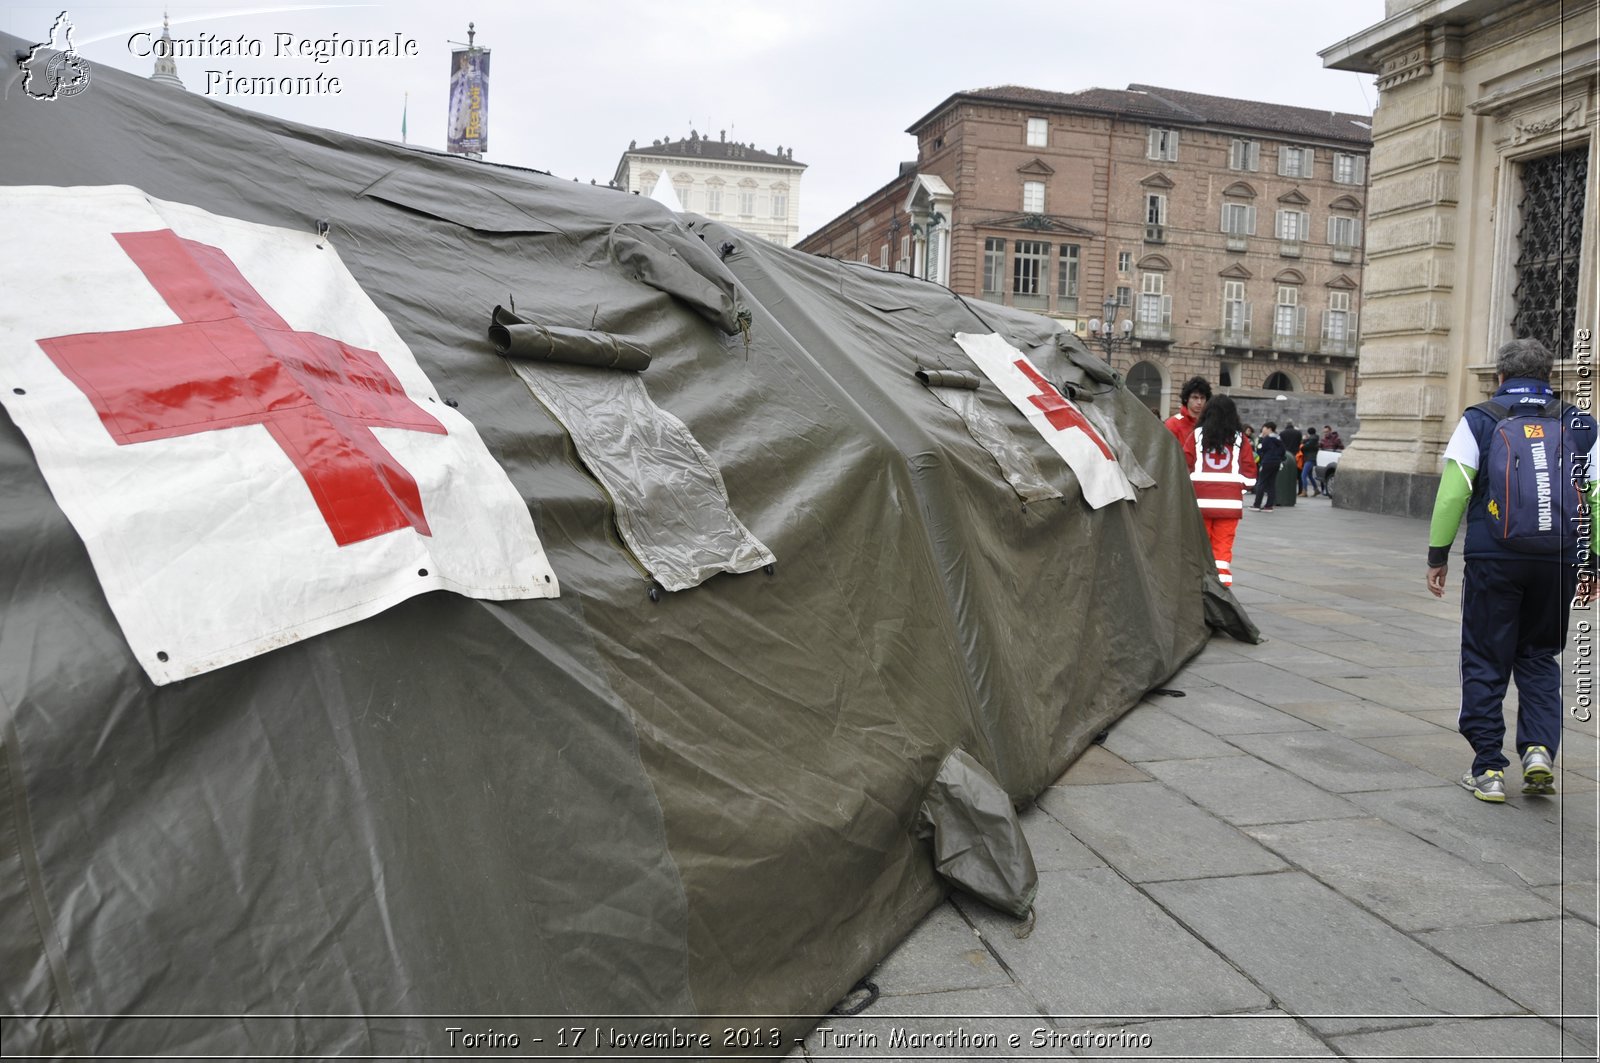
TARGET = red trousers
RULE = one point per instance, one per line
(1221, 529)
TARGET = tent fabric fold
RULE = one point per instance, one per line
(594, 804)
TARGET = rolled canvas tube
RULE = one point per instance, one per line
(948, 378)
(567, 345)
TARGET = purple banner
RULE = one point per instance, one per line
(468, 132)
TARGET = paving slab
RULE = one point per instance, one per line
(1257, 1035)
(1392, 690)
(1148, 832)
(1476, 1039)
(1098, 765)
(1578, 897)
(1322, 957)
(1053, 846)
(1151, 733)
(925, 1026)
(1266, 683)
(1099, 947)
(1548, 966)
(1524, 840)
(1365, 654)
(943, 953)
(1222, 712)
(1357, 719)
(1409, 882)
(1445, 755)
(1333, 762)
(1246, 791)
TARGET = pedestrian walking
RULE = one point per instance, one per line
(1521, 467)
(1269, 459)
(1220, 467)
(1308, 469)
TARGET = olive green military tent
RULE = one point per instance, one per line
(436, 589)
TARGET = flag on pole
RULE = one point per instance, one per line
(248, 449)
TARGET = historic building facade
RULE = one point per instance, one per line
(758, 191)
(1483, 221)
(1228, 233)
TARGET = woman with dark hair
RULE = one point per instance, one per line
(1221, 467)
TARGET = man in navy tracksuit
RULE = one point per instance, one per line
(1514, 605)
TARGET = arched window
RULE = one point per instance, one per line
(1144, 380)
(1279, 381)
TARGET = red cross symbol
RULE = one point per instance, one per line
(232, 362)
(1058, 411)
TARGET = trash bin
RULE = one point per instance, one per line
(1288, 482)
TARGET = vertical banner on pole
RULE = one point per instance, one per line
(468, 133)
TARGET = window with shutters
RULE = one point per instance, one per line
(1289, 320)
(1244, 154)
(1163, 145)
(1239, 219)
(1235, 315)
(1294, 161)
(1155, 218)
(1344, 235)
(1153, 315)
(1349, 169)
(1338, 325)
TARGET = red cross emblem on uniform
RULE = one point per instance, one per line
(233, 361)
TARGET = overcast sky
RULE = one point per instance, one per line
(837, 80)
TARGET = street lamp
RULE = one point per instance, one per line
(1111, 337)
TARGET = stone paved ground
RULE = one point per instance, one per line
(1279, 864)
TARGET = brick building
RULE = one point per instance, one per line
(1229, 232)
(759, 191)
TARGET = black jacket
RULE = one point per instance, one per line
(1291, 441)
(1269, 450)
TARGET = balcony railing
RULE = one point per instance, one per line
(1343, 347)
(1289, 248)
(1155, 234)
(1289, 341)
(1238, 243)
(1233, 335)
(1343, 254)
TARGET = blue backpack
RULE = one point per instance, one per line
(1533, 505)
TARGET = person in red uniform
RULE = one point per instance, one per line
(1194, 396)
(1221, 467)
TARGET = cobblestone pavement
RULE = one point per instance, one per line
(1280, 864)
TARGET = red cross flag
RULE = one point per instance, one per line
(1061, 424)
(249, 451)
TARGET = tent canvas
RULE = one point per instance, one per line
(626, 800)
